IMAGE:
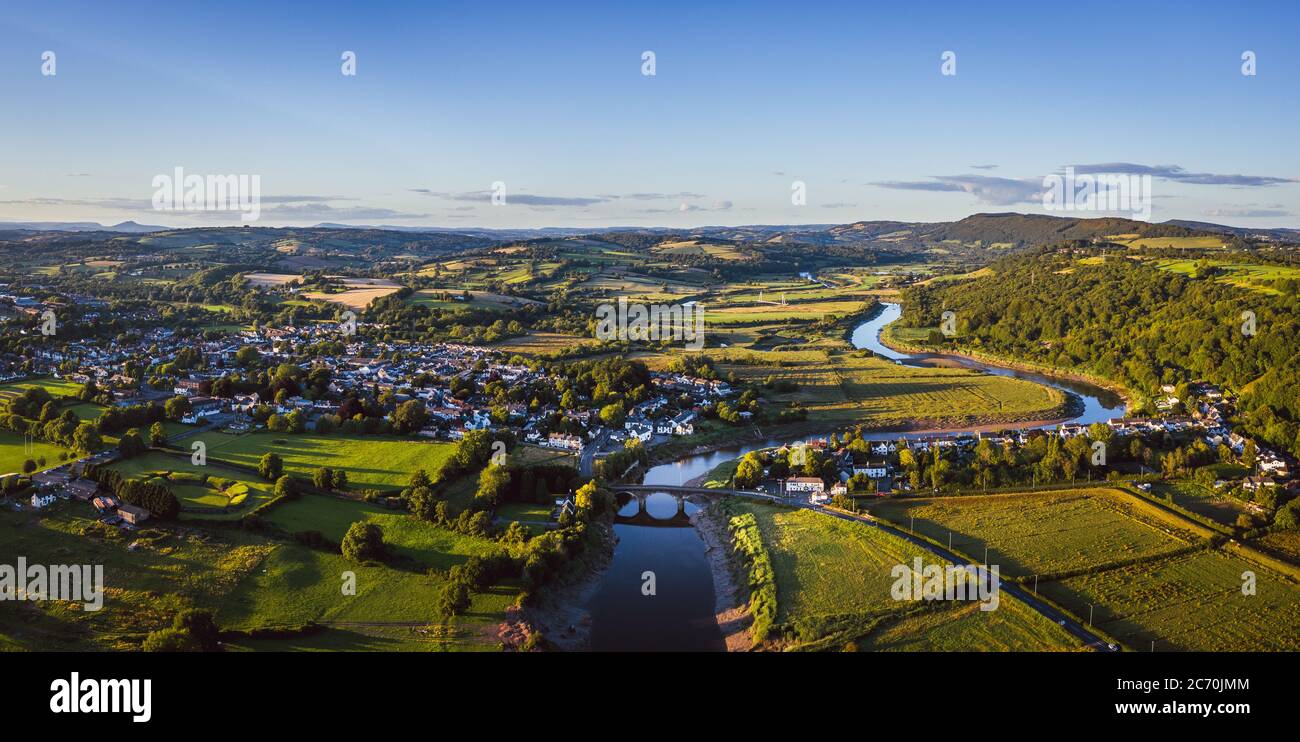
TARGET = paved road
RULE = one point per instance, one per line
(586, 461)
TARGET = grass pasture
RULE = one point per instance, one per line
(1042, 532)
(244, 491)
(1189, 602)
(378, 462)
(846, 388)
(56, 387)
(166, 573)
(13, 452)
(828, 570)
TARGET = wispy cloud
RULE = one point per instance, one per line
(1181, 175)
(986, 188)
(1247, 213)
(525, 199)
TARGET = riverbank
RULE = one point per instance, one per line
(560, 616)
(731, 598)
(887, 339)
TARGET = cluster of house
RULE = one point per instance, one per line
(60, 484)
(671, 412)
(1209, 421)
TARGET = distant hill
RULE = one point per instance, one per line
(127, 227)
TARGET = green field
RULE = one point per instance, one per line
(1188, 602)
(296, 584)
(13, 452)
(1042, 532)
(407, 535)
(249, 582)
(246, 493)
(1251, 276)
(56, 387)
(829, 570)
(380, 462)
(1174, 242)
(145, 587)
(1201, 500)
(845, 388)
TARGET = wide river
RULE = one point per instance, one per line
(655, 541)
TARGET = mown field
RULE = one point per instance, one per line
(1039, 533)
(247, 492)
(844, 388)
(379, 462)
(1201, 500)
(14, 451)
(56, 387)
(831, 572)
(1188, 602)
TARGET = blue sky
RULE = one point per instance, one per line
(747, 98)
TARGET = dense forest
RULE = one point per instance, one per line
(1105, 314)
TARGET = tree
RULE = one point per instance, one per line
(453, 599)
(270, 467)
(340, 480)
(323, 478)
(410, 417)
(175, 408)
(87, 439)
(285, 486)
(493, 482)
(277, 423)
(613, 415)
(588, 499)
(363, 541)
(749, 471)
(170, 640)
(201, 627)
(29, 466)
(157, 434)
(131, 444)
(1248, 454)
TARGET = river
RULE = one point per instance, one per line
(679, 615)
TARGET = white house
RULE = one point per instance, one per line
(805, 484)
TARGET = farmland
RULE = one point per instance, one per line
(200, 487)
(380, 462)
(1146, 572)
(1040, 533)
(832, 573)
(1251, 276)
(843, 388)
(1187, 602)
(166, 572)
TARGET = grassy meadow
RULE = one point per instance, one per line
(378, 462)
(832, 573)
